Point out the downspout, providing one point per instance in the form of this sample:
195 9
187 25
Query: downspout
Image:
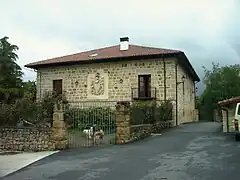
195 94
176 92
164 80
227 119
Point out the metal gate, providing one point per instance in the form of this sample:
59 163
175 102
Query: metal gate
91 123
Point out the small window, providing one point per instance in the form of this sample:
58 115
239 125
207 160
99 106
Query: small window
57 86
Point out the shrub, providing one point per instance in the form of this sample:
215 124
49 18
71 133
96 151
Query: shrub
145 112
164 111
10 114
103 117
29 110
142 112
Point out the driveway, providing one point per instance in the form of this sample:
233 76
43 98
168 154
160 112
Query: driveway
196 151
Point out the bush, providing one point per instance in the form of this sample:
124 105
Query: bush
29 110
164 111
142 112
145 112
10 114
103 117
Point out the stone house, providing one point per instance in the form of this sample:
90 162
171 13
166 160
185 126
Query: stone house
228 107
122 73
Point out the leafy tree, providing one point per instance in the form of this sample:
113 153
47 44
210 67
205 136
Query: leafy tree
222 82
10 71
30 90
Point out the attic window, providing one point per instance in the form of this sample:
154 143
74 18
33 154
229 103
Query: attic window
93 55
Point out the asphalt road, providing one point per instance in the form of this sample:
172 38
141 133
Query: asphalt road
191 152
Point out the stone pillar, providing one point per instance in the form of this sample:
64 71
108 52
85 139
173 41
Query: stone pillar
122 122
59 129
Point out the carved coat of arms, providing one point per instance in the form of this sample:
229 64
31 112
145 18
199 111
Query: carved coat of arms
97 85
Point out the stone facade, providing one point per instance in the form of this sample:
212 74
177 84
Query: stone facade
186 97
25 139
113 82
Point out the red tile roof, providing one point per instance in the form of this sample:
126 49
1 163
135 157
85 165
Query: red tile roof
114 52
105 53
230 101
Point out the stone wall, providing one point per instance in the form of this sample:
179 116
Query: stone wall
36 139
144 130
25 139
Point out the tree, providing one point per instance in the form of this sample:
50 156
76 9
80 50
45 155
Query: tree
10 71
222 82
30 90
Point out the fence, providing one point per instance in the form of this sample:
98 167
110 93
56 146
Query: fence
81 116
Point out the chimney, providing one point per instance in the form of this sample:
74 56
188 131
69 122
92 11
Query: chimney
124 43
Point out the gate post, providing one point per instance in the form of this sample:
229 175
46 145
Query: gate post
122 122
59 129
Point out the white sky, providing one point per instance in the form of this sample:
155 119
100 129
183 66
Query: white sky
206 30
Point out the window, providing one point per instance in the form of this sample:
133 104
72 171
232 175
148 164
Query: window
57 86
144 86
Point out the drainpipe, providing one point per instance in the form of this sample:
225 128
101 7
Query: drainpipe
176 92
195 94
39 86
227 118
164 80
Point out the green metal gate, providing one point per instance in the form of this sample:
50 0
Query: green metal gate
91 123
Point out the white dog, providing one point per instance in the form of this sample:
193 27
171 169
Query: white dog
88 132
96 135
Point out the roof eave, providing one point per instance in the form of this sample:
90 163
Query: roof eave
189 66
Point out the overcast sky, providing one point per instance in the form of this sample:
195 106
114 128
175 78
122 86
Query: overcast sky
206 30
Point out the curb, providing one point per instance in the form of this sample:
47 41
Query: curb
27 165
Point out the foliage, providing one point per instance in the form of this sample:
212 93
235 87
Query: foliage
30 90
31 111
49 100
164 111
142 112
10 114
10 72
103 117
145 112
222 82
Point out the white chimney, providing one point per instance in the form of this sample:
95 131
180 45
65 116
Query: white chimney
124 43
